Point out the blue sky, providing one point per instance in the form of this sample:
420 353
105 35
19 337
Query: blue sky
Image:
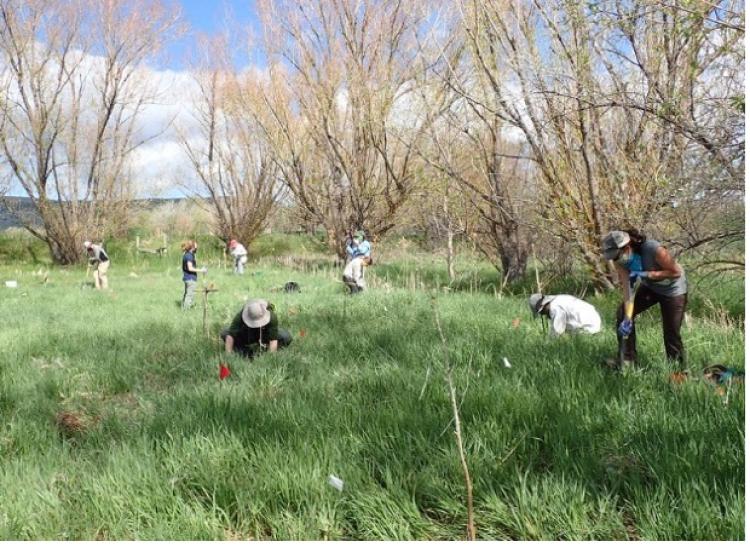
209 16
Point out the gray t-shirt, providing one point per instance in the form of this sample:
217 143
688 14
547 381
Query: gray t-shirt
665 287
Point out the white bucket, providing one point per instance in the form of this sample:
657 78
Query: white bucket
11 284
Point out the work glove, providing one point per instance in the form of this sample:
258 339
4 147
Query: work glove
637 274
204 270
625 328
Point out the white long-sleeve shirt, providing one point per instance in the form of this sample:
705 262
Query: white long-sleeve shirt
568 313
239 250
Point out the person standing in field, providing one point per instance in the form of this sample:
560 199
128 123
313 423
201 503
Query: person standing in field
239 253
255 328
663 282
99 259
354 273
566 313
190 272
358 246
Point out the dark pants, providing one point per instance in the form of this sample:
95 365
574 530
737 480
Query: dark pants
353 287
285 338
672 312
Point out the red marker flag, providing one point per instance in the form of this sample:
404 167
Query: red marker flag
223 371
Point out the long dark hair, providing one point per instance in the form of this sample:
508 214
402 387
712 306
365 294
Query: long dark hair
636 239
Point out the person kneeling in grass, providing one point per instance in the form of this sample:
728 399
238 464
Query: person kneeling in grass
566 313
254 329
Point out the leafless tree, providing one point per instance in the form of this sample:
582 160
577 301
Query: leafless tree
72 92
612 100
472 146
344 73
227 150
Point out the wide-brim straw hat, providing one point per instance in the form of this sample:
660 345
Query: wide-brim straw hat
256 314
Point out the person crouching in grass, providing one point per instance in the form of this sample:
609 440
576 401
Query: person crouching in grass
566 313
255 329
354 274
190 272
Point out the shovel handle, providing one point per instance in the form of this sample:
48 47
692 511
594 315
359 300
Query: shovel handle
629 309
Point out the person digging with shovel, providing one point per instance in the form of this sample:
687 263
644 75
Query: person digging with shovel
648 275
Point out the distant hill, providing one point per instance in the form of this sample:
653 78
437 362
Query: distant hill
13 206
19 205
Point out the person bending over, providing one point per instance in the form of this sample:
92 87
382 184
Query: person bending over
663 282
255 328
99 259
566 313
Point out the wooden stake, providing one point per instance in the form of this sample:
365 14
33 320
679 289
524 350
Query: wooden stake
205 291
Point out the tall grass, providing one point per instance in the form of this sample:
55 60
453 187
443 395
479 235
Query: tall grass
557 447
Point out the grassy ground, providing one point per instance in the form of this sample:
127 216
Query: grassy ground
116 426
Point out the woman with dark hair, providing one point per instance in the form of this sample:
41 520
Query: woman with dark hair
663 282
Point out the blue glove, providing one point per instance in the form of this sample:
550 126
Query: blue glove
625 328
636 275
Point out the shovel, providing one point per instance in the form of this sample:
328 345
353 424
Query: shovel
629 305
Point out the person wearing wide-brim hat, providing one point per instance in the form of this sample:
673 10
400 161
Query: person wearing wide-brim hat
566 313
662 281
255 328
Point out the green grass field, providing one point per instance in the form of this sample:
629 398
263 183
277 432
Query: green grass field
155 446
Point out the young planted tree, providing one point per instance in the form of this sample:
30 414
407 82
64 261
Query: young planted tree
340 111
71 95
232 161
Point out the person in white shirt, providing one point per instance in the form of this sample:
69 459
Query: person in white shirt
99 259
354 273
566 313
238 251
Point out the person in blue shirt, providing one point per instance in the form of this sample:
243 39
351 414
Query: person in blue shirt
190 272
358 246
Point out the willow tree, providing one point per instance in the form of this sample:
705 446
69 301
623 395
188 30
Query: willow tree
230 159
340 111
73 92
613 102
